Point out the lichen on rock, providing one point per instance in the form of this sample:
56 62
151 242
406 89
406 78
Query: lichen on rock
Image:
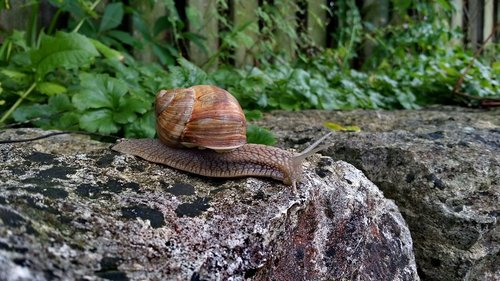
98 214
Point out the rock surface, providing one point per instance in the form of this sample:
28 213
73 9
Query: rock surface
442 168
83 212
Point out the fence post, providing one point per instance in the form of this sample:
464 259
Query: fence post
244 14
474 23
457 19
202 18
316 22
17 17
286 39
149 15
489 10
377 14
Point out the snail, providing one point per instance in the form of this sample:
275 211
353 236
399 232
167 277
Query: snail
202 130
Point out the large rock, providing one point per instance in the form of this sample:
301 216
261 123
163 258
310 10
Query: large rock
440 165
70 208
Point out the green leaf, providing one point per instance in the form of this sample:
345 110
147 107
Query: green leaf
288 102
98 121
54 114
135 104
60 103
496 66
256 134
13 74
123 37
253 114
406 99
141 26
161 24
50 88
64 50
29 112
99 91
68 121
107 51
195 75
142 127
112 17
129 107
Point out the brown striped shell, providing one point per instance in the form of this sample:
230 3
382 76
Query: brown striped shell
201 116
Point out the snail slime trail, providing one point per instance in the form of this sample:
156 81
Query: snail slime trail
202 130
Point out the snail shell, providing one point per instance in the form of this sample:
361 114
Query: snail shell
201 116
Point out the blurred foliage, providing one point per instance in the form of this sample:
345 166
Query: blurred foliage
82 76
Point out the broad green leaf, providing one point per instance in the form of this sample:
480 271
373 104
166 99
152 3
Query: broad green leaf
99 91
163 54
128 109
288 102
112 17
406 99
68 121
100 120
50 88
29 112
64 50
197 39
50 115
256 134
496 66
124 38
60 103
161 24
253 114
135 104
124 116
142 127
77 9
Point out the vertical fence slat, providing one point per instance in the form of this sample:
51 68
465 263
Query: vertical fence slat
244 14
489 10
474 30
149 15
17 17
316 22
376 12
496 39
457 19
206 25
284 40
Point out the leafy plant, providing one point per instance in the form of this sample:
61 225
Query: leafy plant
85 77
62 51
105 102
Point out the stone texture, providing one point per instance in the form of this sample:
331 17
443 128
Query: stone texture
440 165
83 212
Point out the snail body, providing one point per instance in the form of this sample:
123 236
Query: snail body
177 143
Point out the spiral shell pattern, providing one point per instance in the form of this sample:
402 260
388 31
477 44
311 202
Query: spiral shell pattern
201 116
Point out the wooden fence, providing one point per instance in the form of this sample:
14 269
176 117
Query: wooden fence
476 18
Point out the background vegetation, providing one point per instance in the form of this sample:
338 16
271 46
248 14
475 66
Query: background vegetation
96 65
